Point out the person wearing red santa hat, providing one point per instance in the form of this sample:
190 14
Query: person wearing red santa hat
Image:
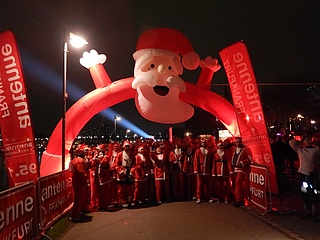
241 157
141 171
177 176
191 181
151 192
161 173
123 164
90 164
103 179
80 183
221 170
112 153
203 169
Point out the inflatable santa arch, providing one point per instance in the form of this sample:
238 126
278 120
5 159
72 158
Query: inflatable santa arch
160 94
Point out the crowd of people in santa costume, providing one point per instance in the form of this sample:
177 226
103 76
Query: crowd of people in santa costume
114 175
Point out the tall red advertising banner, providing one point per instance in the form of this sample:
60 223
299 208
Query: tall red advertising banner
15 118
247 103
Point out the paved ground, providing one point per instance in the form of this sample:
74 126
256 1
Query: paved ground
188 220
286 213
180 220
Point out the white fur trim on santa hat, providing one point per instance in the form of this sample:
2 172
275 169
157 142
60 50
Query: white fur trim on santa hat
190 60
139 149
154 52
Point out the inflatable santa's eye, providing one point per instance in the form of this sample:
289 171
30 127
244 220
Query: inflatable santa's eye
152 66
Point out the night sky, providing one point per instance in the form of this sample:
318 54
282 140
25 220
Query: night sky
282 38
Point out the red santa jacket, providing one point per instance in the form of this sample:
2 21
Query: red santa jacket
221 164
160 165
176 161
113 155
188 164
142 167
202 162
104 170
79 173
123 164
241 160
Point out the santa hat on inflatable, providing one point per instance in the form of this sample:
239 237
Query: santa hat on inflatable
167 42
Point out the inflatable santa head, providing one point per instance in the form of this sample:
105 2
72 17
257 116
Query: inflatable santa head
161 55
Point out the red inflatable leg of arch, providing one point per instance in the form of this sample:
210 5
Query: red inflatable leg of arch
97 100
76 118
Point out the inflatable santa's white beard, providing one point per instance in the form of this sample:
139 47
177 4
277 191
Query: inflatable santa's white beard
162 104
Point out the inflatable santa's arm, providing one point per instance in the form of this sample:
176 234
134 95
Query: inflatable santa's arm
93 61
209 67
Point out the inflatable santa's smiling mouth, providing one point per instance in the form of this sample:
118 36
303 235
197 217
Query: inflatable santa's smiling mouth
161 90
165 107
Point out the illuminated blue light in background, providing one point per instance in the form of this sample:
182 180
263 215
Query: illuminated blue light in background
50 79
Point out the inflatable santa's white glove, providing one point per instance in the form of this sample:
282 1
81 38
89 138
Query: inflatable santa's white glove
211 63
91 59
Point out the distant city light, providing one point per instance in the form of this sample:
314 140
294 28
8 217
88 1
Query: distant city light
187 134
299 117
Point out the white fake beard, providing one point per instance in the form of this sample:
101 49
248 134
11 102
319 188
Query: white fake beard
160 156
142 157
177 151
126 160
238 149
220 152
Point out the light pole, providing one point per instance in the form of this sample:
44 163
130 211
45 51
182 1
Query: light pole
76 42
115 125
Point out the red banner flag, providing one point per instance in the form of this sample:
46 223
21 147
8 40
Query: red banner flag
56 197
259 187
246 99
18 211
15 121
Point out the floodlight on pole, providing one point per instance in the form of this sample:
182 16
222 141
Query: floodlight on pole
116 118
77 42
